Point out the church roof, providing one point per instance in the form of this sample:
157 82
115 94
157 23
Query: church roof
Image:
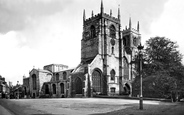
41 70
80 68
57 65
65 70
45 71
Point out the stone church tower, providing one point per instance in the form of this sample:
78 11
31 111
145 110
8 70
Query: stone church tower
106 54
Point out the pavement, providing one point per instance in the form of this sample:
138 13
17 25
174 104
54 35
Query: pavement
4 111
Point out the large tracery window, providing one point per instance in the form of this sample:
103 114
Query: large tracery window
97 81
93 32
78 85
112 31
112 74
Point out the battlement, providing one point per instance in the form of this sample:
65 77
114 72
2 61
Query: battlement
133 30
103 15
92 18
130 29
111 17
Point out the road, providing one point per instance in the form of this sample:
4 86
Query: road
4 111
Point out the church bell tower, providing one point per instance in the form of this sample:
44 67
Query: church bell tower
101 34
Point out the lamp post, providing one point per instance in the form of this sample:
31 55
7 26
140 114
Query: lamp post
18 90
140 47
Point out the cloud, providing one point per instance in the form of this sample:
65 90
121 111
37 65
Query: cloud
145 11
170 23
14 13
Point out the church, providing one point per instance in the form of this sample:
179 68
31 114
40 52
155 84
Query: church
105 67
106 55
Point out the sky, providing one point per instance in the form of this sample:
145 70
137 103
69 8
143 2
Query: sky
34 33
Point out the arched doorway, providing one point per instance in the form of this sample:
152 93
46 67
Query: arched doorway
46 89
54 88
34 81
127 89
62 88
78 85
98 82
34 95
25 91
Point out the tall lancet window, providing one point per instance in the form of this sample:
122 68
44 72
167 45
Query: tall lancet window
34 81
126 68
112 31
112 74
93 32
112 50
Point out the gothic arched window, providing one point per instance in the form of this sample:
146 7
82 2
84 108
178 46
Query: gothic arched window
62 88
124 41
112 31
54 88
64 75
34 81
112 74
126 68
57 76
93 32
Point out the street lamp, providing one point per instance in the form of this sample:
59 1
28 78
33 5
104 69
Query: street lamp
140 47
18 90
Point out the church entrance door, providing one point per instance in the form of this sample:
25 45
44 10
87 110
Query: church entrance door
62 88
127 89
46 89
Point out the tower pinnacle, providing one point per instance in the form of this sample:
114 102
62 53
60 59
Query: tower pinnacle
92 14
110 12
119 12
138 26
102 8
130 23
84 16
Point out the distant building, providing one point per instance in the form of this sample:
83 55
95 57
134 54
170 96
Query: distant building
47 82
17 92
4 88
59 84
26 87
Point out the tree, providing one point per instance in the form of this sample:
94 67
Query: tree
163 71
